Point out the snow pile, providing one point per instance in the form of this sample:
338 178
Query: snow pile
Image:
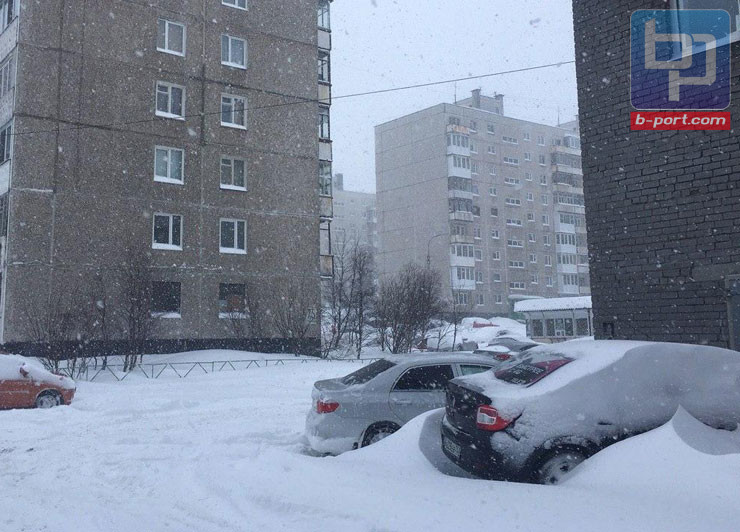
553 303
478 330
11 365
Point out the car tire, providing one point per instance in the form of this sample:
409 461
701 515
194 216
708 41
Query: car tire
556 465
377 432
48 400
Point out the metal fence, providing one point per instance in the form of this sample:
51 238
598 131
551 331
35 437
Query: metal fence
155 370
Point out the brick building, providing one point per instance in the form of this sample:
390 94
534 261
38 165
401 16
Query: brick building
662 207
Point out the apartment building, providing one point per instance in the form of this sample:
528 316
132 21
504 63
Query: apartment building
494 202
355 217
183 136
662 206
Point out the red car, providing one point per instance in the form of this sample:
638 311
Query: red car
25 383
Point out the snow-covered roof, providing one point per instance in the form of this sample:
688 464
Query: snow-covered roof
555 303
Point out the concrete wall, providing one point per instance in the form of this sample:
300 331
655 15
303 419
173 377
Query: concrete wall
81 196
662 207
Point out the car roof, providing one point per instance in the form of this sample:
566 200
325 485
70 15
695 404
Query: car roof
439 358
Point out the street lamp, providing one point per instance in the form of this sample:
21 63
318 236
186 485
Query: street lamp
429 243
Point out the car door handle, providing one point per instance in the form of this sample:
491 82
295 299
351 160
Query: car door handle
402 401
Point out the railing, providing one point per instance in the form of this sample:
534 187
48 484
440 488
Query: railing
184 369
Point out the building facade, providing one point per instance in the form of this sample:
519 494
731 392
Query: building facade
355 218
182 137
663 207
493 202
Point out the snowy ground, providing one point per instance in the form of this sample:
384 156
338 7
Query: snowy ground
224 452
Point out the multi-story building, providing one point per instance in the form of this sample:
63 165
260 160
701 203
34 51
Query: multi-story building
494 202
662 206
355 219
180 135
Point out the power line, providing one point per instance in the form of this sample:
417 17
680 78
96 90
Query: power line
301 99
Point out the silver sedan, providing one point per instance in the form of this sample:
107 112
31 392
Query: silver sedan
376 400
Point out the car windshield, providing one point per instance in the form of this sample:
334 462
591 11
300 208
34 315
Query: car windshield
367 373
532 369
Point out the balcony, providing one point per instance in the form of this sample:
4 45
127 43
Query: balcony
565 169
460 194
326 266
326 207
567 150
461 239
461 216
462 130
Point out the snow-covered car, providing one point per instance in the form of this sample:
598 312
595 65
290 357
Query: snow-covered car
25 383
537 420
376 400
513 344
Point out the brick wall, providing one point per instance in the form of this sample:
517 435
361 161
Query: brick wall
662 208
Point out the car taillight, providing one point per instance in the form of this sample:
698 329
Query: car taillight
326 407
489 419
502 357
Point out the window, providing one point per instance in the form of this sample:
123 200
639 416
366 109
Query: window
731 6
169 165
513 161
494 211
479 277
542 160
473 167
233 237
540 140
7 13
480 300
527 137
533 258
461 298
527 156
496 277
491 129
566 239
569 279
498 299
466 369
530 196
512 181
545 199
476 232
233 51
549 280
509 140
546 239
465 273
514 243
492 192
496 255
7 76
528 176
461 162
455 139
6 140
495 234
473 126
492 150
233 173
368 373
531 237
462 250
454 121
514 221
165 299
324 67
233 111
324 19
474 189
534 279
167 232
543 180
425 379
517 285
170 37
232 301
473 148
567 258
325 179
478 254
240 4
548 260
545 219
516 264
514 202
324 123
530 215
170 100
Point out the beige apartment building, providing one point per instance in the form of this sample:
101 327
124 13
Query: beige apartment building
493 202
181 132
355 219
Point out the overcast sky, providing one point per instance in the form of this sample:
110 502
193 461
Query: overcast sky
390 43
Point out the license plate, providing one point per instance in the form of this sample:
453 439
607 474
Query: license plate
451 447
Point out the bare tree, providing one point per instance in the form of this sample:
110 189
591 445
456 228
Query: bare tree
458 311
245 316
361 293
340 294
405 305
137 297
295 309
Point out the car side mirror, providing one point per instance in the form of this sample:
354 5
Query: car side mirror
23 372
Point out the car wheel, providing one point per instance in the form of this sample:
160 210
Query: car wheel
558 465
48 400
378 432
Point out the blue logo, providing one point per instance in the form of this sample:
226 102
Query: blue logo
681 59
